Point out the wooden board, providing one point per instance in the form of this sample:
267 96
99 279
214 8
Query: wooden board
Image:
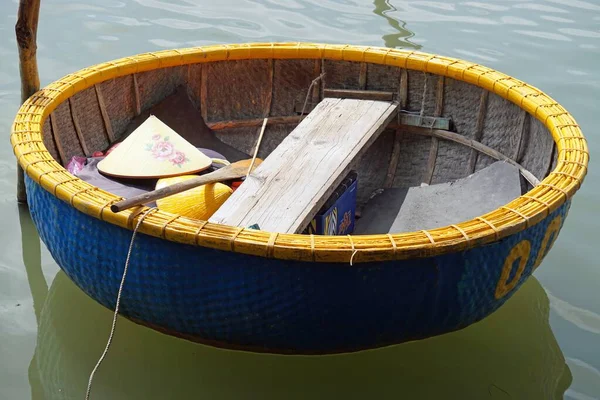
294 181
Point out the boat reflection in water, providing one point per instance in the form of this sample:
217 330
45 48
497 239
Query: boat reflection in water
510 354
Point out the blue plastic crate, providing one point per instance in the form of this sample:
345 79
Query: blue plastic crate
337 218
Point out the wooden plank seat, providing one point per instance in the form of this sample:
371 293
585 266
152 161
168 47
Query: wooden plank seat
294 181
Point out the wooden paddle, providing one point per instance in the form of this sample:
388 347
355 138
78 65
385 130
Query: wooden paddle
236 170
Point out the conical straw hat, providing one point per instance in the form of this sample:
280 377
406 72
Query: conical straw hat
153 150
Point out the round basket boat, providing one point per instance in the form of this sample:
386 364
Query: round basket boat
297 293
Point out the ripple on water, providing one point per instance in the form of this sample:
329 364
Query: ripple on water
5 95
179 23
545 35
364 17
165 43
108 38
510 20
414 15
473 55
247 22
584 319
289 4
577 4
240 28
435 5
71 7
491 52
96 25
128 21
580 32
346 20
485 6
587 380
332 5
539 7
96 46
244 24
556 19
576 72
289 24
113 4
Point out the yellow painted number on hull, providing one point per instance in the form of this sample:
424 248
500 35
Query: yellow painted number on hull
553 228
520 251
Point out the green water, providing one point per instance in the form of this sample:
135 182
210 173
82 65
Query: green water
543 344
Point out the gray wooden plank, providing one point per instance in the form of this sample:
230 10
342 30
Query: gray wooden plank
260 180
295 180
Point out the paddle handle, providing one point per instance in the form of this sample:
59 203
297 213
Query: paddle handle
232 171
163 192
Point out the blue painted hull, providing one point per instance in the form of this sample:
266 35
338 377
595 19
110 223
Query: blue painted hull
253 303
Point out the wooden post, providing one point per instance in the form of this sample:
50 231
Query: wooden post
26 30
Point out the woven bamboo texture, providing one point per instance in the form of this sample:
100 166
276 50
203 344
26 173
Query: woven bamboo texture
526 211
233 300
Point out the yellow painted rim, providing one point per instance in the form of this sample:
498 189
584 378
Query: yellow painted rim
527 210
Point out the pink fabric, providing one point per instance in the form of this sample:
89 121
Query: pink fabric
76 164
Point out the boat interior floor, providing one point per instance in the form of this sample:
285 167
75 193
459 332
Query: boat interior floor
397 210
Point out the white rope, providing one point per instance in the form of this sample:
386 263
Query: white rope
424 94
114 323
354 251
312 84
260 136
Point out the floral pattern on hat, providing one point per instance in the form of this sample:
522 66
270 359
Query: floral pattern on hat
163 150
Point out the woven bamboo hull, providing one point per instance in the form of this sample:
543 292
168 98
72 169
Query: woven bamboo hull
245 302
262 291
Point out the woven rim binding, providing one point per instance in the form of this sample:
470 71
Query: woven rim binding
559 186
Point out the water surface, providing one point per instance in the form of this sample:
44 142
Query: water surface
544 343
